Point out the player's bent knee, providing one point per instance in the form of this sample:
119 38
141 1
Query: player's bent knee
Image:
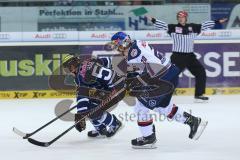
167 111
142 112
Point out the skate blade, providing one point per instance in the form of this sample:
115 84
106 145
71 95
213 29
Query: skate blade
200 101
98 137
200 130
147 146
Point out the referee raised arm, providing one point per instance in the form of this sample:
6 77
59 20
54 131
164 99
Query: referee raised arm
183 35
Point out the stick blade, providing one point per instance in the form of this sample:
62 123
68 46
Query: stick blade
38 143
201 129
18 132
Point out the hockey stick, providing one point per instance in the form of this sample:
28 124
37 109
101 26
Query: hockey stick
93 93
81 90
164 88
93 111
27 135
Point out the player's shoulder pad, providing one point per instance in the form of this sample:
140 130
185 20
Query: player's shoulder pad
106 61
134 50
86 68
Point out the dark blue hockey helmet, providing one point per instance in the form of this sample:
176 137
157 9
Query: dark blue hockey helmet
119 36
120 40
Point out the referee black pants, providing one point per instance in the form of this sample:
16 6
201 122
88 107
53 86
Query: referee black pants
189 61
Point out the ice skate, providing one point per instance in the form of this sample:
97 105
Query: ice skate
197 126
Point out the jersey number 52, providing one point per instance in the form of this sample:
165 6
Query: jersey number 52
102 73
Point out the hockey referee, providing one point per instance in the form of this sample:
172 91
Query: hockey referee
183 35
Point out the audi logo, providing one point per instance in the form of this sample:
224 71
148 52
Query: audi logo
4 36
59 35
225 34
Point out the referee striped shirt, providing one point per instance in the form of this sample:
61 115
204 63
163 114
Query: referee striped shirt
183 36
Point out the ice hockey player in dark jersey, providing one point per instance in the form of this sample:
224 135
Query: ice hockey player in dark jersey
152 63
93 73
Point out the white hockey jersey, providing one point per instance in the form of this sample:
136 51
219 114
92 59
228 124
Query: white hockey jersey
145 58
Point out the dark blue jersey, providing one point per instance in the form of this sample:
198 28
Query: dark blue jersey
102 74
94 73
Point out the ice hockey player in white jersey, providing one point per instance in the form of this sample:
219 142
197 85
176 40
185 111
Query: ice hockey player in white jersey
149 61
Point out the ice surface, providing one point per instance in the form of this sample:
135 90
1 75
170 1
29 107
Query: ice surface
220 141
